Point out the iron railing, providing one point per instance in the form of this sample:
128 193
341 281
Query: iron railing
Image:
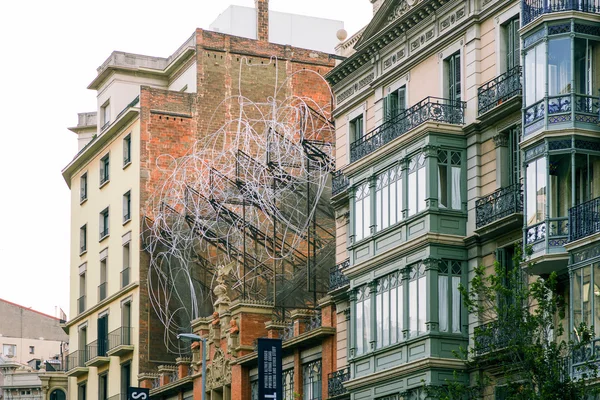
584 219
97 348
125 277
428 109
337 279
339 183
102 291
76 359
502 203
585 357
335 382
532 9
119 337
492 337
313 322
81 304
499 90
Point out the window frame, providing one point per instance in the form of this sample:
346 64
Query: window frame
83 187
104 224
512 42
389 185
446 159
418 276
126 150
447 270
385 296
417 168
453 77
9 346
126 207
83 239
394 103
312 387
354 124
105 169
362 333
362 201
105 114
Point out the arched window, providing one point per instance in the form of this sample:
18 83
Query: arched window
58 394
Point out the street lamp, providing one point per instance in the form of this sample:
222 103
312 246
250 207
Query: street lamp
197 338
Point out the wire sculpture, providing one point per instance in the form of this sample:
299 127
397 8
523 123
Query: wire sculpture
253 195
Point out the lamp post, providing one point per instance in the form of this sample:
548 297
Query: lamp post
194 337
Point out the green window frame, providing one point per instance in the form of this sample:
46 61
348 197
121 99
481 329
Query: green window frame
362 211
417 184
388 198
363 320
389 309
450 179
453 77
450 300
417 300
394 103
513 43
127 150
585 287
104 169
357 128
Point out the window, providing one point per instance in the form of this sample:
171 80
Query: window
514 171
83 187
127 150
103 276
535 74
105 114
83 239
254 390
417 300
126 322
449 179
587 67
9 350
389 309
453 77
102 387
102 335
81 299
362 211
585 297
81 391
388 197
288 384
504 256
363 320
357 128
104 223
512 41
104 169
311 374
58 394
536 191
126 263
416 184
394 103
31 349
450 301
127 206
125 377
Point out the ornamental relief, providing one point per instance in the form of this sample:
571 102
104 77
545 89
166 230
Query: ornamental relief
218 373
400 9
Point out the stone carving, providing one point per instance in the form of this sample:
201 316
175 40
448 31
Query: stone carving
233 327
221 289
400 9
218 373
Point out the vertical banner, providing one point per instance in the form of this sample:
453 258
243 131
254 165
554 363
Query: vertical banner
136 393
269 369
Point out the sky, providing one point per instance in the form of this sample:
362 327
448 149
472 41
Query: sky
49 52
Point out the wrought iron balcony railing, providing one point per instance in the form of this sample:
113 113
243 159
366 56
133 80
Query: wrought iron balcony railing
81 304
586 357
502 203
499 90
313 322
339 183
533 9
492 337
336 380
97 348
119 337
337 279
584 219
124 277
76 359
428 109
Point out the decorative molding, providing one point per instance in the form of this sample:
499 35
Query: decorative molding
501 140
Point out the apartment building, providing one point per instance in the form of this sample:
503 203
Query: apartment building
463 128
149 107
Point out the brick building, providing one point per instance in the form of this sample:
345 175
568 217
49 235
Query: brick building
149 107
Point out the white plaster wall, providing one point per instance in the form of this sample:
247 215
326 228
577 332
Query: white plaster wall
187 77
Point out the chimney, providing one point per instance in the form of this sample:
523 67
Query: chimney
376 5
262 20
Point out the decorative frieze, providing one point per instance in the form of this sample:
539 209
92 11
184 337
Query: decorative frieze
501 140
452 19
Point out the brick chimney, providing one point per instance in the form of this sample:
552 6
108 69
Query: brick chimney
262 20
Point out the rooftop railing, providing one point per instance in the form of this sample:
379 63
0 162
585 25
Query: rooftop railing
499 90
429 109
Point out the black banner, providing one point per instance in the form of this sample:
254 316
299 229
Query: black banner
135 393
269 369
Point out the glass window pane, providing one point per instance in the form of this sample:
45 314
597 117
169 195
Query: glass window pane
559 66
422 183
367 216
456 305
386 318
367 324
586 295
576 306
530 77
443 185
393 203
422 304
380 318
560 185
400 200
443 302
400 311
540 73
358 221
412 305
456 196
378 211
359 328
394 316
412 193
385 207
531 194
541 189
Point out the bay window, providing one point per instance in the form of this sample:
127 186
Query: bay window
389 309
587 66
449 179
559 66
417 300
416 184
388 197
586 296
536 191
363 320
535 74
362 210
449 277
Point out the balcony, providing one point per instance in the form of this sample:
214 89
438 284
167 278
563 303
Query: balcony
584 220
339 183
102 291
560 110
585 359
505 90
429 109
493 211
97 356
124 277
335 382
533 9
337 279
81 304
492 337
76 363
119 342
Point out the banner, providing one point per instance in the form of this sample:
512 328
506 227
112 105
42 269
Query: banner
135 393
269 369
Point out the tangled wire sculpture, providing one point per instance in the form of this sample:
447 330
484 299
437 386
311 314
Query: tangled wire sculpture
253 195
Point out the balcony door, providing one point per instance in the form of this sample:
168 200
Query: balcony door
102 335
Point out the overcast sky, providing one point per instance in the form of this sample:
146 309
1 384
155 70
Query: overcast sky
49 52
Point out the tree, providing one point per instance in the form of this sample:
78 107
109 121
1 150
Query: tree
524 343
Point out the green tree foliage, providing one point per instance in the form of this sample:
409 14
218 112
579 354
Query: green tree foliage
524 346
